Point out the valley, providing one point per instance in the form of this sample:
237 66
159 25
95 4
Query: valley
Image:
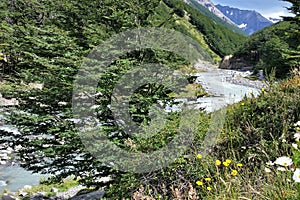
148 99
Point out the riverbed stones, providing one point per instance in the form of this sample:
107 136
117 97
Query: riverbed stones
8 197
5 154
91 196
70 193
39 196
8 102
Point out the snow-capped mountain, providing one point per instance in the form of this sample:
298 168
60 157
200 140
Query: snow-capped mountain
248 20
212 8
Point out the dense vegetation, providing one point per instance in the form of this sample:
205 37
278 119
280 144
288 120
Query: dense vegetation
43 43
244 162
275 47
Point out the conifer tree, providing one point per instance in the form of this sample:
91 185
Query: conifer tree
294 9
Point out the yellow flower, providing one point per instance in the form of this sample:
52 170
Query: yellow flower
208 188
234 172
226 164
218 162
207 179
200 183
228 161
239 165
199 156
262 89
242 103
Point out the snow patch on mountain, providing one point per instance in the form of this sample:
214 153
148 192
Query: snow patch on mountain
242 25
248 20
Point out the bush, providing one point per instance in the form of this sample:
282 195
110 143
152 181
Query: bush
256 132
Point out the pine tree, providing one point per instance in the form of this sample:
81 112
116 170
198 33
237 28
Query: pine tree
294 9
44 43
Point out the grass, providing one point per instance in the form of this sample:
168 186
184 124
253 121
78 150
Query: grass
257 131
241 164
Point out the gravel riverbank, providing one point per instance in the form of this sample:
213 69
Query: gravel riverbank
231 76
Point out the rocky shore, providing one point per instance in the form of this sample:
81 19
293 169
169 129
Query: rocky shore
238 77
241 78
74 193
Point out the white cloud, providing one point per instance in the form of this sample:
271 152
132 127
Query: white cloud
276 14
268 8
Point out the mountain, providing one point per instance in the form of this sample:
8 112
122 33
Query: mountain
220 36
272 49
248 20
212 8
208 9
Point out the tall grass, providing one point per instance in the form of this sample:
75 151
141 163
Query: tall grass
257 132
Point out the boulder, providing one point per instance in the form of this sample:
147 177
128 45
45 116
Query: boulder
7 197
39 196
225 63
237 62
90 196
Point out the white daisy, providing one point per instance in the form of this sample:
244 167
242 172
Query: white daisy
297 136
296 176
283 161
295 146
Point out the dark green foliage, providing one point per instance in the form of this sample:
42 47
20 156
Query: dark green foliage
276 47
294 9
159 182
220 39
44 43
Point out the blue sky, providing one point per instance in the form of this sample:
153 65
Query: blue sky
268 8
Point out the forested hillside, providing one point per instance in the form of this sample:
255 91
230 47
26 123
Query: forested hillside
42 45
220 39
218 20
275 48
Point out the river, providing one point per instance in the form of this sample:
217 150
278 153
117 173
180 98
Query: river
12 176
223 85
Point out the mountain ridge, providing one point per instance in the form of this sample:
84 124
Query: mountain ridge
250 21
212 8
202 8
